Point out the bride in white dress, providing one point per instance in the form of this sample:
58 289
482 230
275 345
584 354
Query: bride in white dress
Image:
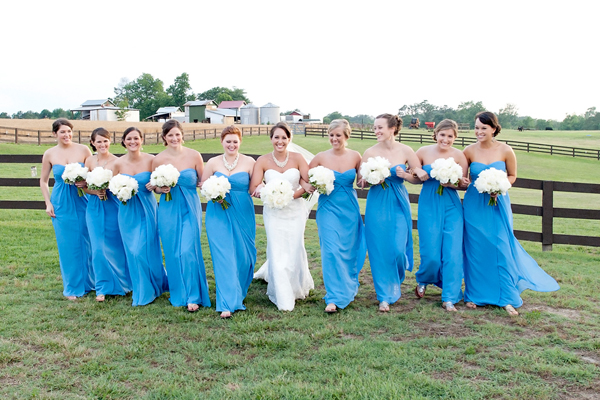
286 269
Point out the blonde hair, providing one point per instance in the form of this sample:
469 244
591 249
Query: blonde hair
340 123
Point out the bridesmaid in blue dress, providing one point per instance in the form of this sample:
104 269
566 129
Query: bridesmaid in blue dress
102 217
388 222
231 232
138 224
440 221
497 268
67 211
180 222
341 228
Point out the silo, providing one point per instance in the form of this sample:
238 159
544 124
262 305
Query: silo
269 114
250 114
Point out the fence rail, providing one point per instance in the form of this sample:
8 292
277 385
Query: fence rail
464 141
546 211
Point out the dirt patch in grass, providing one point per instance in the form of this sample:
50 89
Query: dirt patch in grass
563 312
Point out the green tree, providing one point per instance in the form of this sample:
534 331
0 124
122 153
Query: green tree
59 113
121 113
334 115
467 110
45 113
213 94
223 97
181 91
509 116
4 115
145 93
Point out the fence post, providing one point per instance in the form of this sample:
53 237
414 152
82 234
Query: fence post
79 136
114 137
39 138
547 215
16 135
194 133
156 137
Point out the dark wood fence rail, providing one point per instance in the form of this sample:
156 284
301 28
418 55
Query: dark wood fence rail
464 141
547 211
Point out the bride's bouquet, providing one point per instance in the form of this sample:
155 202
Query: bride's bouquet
98 179
216 188
446 170
492 181
322 179
375 170
277 193
75 173
123 187
165 175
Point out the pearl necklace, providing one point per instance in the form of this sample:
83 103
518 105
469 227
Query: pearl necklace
231 167
98 162
284 163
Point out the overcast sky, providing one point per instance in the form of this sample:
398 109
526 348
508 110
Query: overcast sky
355 57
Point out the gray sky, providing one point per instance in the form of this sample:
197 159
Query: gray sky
321 56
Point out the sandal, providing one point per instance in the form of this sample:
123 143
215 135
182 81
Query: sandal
384 306
191 307
331 308
449 306
471 305
420 290
511 310
71 298
226 315
100 298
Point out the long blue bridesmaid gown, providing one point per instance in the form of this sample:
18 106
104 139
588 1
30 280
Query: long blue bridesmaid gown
231 234
179 228
440 226
497 268
138 226
74 251
108 255
342 240
388 231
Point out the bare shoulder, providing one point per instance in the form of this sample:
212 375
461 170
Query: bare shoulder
355 155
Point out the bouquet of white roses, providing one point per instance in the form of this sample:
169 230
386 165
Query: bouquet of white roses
215 189
75 173
446 170
492 181
277 194
375 170
98 179
124 187
322 179
165 175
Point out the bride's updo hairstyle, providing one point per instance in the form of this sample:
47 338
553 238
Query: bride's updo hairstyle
340 123
281 125
489 118
98 132
167 126
394 121
127 132
446 124
232 130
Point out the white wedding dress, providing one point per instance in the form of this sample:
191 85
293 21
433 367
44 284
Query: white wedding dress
286 269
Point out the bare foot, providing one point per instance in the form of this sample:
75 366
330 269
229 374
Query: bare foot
331 308
226 314
511 311
471 305
384 306
449 306
72 298
193 307
100 298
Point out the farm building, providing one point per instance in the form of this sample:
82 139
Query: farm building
104 110
222 116
195 111
165 113
269 114
294 116
250 114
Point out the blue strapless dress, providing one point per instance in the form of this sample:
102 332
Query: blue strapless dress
108 255
231 236
388 231
342 240
179 227
440 226
74 251
497 268
138 227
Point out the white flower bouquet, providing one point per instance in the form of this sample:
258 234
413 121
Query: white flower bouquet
124 187
375 170
446 170
277 194
98 179
165 175
322 179
74 172
216 188
494 182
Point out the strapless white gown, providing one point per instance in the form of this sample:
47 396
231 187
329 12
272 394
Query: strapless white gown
286 269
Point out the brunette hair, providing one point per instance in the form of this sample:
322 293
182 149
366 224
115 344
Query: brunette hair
127 132
98 132
60 122
446 124
281 125
489 118
167 126
231 130
394 121
340 123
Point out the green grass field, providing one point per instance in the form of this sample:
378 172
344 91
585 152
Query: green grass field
51 348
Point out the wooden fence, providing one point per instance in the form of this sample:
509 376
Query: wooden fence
547 211
464 141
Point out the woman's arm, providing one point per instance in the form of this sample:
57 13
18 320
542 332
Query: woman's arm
258 174
511 164
303 168
44 177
